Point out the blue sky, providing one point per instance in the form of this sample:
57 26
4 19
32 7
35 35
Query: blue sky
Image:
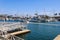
23 7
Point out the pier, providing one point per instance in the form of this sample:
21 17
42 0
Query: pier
10 29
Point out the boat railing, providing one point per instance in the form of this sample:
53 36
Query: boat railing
11 38
4 36
4 27
15 38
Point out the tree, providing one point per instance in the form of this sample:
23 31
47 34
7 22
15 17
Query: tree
59 13
55 14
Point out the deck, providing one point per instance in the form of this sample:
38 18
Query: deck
9 26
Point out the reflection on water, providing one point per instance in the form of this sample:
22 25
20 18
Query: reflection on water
42 32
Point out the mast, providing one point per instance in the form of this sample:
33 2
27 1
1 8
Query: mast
44 12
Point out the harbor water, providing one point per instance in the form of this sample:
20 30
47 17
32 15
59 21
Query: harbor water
43 31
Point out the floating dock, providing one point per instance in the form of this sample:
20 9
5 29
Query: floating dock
57 38
20 32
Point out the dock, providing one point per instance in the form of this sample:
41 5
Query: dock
20 32
57 38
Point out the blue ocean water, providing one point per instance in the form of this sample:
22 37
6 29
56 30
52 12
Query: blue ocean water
42 32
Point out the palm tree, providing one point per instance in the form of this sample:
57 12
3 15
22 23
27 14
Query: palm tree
55 14
59 13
